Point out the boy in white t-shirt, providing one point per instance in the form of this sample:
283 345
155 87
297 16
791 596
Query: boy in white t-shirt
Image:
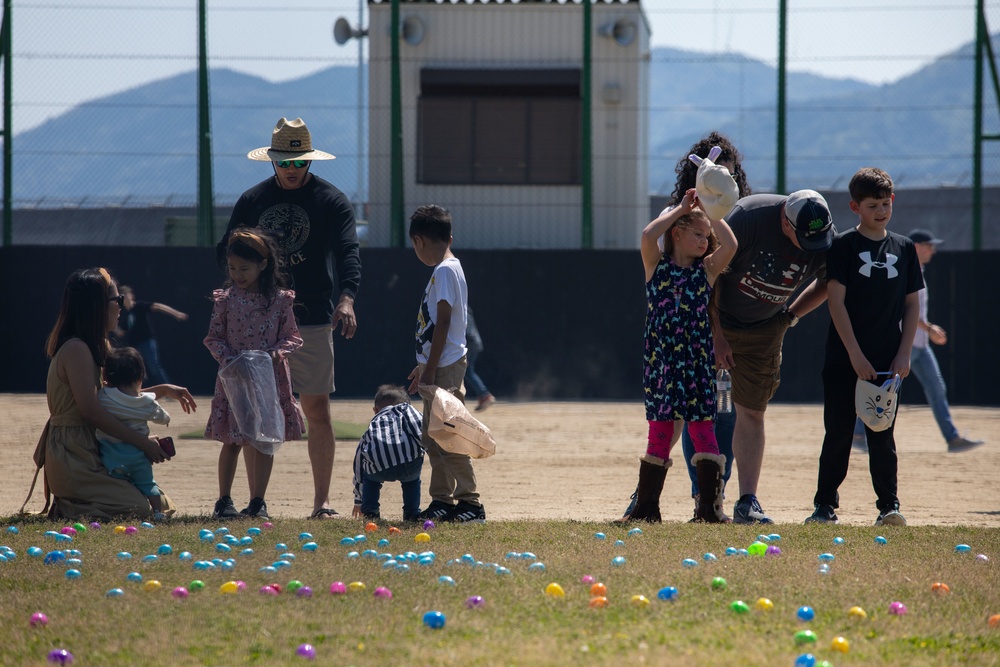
441 361
124 372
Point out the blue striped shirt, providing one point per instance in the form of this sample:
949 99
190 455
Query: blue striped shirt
392 438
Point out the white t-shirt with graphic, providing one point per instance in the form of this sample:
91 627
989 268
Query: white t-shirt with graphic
448 284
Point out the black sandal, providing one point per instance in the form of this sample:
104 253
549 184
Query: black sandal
324 513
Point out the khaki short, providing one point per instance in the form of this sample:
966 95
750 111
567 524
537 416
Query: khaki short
757 355
312 364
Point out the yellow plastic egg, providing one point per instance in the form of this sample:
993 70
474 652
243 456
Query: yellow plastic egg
554 590
857 612
840 644
152 585
229 587
640 601
119 530
763 604
356 586
422 537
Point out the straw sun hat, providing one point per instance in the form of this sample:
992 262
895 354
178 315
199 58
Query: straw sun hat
289 141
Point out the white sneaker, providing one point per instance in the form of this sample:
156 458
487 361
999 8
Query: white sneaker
890 518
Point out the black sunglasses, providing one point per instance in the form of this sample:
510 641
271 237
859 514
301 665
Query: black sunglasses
120 300
299 164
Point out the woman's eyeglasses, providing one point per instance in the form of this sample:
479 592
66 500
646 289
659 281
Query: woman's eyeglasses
120 300
299 164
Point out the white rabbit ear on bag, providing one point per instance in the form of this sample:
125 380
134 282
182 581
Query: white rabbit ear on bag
717 191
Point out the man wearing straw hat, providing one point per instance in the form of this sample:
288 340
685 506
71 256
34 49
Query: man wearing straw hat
314 225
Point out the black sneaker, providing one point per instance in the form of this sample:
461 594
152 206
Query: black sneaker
257 509
823 514
748 510
224 509
963 444
466 512
890 517
436 511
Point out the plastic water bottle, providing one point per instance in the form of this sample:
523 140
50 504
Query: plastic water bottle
723 391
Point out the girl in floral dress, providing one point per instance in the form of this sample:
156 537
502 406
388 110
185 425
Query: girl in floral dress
251 313
679 366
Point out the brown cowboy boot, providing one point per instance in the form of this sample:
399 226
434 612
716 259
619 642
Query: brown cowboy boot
708 468
652 473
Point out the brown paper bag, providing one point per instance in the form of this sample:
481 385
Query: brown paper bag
454 428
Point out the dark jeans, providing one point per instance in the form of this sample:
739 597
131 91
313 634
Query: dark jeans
151 358
725 424
408 474
474 385
839 417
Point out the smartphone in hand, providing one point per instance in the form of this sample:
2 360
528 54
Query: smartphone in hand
167 445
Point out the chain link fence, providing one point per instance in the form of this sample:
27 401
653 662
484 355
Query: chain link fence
105 109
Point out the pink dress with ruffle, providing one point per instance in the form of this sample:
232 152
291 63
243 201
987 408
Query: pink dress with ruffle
243 320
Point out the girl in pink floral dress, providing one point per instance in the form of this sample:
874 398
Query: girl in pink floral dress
252 313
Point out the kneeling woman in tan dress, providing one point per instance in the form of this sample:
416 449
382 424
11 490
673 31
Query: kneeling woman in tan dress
78 345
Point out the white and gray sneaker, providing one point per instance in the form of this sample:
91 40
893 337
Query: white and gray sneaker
748 510
890 517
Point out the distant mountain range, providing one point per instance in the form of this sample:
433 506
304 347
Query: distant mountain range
139 146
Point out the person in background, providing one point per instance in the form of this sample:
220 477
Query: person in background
476 386
137 331
924 364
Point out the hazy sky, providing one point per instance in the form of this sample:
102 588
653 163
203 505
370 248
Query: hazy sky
67 51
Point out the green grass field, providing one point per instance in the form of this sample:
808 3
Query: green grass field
518 623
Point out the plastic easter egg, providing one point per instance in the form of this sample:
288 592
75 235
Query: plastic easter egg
587 579
731 551
881 540
115 593
35 552
131 530
356 586
897 608
600 536
306 651
73 574
598 589
247 552
805 660
268 590
68 530
123 555
383 543
527 555
502 571
599 602
774 537
840 644
940 588
204 534
764 604
152 585
640 601
179 593
196 585
619 543
857 612
994 621
536 567
554 590
742 552
635 531
119 530
60 656
982 558
338 588
739 607
53 557
422 537
434 620
293 585
474 602
164 550
151 558
134 577
446 580
94 525
824 568
805 613
618 561
347 541
303 592
229 588
267 525
38 620
718 584
395 531
60 537
838 540
805 637
284 564
826 558
389 563
689 562
962 548
383 593
146 524
763 538
668 593
773 550
310 546
12 530
253 531
709 557
758 548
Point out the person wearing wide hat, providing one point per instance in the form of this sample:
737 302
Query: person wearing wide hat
314 225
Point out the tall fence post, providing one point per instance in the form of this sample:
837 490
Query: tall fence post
782 99
586 153
206 204
396 198
8 134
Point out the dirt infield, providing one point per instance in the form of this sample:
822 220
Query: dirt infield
577 461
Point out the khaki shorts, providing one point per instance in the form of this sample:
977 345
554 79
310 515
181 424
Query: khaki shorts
757 355
312 364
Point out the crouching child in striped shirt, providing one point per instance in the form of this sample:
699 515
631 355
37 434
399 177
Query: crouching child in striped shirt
389 451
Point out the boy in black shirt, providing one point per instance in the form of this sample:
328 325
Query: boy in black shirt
873 279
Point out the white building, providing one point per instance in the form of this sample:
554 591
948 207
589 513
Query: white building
492 109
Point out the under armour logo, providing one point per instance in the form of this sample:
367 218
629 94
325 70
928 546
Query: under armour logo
888 265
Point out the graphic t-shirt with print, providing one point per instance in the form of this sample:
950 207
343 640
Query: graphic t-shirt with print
447 283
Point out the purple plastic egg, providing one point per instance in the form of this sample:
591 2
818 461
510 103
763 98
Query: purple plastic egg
428 525
304 592
773 550
474 602
61 656
131 530
306 651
